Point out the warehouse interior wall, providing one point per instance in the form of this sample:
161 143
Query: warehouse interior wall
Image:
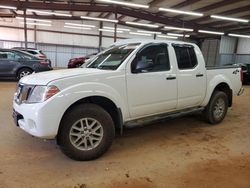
60 43
227 50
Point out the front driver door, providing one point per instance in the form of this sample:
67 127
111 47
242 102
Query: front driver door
151 82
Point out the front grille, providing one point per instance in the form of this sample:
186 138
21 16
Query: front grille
22 93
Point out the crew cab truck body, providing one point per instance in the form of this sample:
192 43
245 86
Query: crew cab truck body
133 79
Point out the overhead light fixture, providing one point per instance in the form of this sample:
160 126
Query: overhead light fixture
125 3
8 7
142 24
74 27
238 35
32 23
111 31
211 32
229 18
33 19
178 28
166 36
49 13
181 12
175 34
150 32
143 34
98 19
79 25
118 28
187 36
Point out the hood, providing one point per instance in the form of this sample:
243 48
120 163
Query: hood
44 78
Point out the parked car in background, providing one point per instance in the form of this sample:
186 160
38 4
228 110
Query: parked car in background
79 61
38 53
16 63
246 73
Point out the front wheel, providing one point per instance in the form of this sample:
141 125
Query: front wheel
23 72
216 109
86 132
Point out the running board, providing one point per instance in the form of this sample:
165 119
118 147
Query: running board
172 115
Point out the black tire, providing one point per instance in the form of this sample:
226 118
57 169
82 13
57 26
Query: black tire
23 72
216 109
69 124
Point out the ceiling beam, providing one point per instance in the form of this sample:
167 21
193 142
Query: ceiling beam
215 22
154 2
121 17
185 3
57 6
108 15
212 6
179 5
132 12
225 13
217 5
101 14
52 17
126 11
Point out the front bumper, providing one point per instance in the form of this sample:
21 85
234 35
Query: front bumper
37 119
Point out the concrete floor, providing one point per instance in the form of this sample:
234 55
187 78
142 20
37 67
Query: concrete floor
184 152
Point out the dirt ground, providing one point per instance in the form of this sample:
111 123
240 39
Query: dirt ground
184 152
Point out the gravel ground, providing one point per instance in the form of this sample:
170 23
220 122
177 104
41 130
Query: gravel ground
183 152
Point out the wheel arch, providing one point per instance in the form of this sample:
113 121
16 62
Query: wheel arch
24 67
224 87
104 102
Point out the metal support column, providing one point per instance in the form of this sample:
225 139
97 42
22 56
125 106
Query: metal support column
100 37
25 30
115 34
35 36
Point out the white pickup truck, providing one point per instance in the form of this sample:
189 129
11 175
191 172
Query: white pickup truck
131 80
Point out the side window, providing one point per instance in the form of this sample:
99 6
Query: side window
186 57
3 55
9 56
151 59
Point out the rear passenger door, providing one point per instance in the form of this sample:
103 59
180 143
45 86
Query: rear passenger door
8 62
151 82
191 76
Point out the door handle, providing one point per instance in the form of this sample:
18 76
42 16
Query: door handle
199 75
171 78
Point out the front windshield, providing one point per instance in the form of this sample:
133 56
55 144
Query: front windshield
113 57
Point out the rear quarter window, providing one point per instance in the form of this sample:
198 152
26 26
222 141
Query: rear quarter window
186 56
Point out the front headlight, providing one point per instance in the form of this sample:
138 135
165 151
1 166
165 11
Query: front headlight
42 93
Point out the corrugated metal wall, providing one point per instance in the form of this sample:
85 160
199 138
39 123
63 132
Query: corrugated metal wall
58 54
228 45
210 50
243 46
233 51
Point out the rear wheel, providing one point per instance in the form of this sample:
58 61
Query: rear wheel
23 72
86 132
216 109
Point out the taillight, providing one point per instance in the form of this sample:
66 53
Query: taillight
42 56
44 62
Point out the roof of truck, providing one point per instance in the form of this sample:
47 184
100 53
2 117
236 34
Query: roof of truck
146 41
